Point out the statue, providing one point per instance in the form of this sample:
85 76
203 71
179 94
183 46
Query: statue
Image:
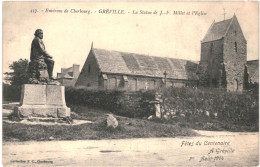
41 63
42 96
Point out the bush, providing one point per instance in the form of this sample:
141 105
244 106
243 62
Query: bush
11 92
121 103
235 107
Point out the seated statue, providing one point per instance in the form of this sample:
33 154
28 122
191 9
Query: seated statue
40 61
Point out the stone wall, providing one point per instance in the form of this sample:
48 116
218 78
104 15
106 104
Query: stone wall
94 80
211 63
235 57
136 83
143 83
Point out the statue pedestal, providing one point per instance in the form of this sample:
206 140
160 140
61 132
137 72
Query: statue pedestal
42 101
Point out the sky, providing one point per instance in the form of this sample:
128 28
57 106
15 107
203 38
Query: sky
68 36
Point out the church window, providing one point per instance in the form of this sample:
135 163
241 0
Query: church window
235 46
236 85
235 33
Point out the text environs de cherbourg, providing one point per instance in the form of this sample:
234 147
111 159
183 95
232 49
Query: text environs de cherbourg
86 11
120 11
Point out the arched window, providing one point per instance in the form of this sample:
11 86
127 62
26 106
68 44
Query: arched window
236 85
236 46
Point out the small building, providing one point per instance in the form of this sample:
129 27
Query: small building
114 70
68 76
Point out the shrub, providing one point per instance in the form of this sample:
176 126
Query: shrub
237 108
134 104
11 92
232 108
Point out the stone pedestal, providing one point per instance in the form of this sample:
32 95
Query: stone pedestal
158 113
157 108
42 101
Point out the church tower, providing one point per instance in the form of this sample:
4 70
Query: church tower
223 56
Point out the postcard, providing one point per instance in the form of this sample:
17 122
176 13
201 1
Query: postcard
147 83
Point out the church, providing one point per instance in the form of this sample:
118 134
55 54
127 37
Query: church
223 56
105 69
223 64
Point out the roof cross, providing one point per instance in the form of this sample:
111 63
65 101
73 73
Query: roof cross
165 74
224 13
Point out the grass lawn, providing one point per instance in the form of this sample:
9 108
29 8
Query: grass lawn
128 128
202 122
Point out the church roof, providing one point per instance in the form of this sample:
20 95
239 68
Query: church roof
217 30
253 70
144 65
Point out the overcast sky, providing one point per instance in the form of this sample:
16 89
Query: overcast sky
68 36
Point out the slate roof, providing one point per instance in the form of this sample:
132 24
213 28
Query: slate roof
217 30
253 70
143 65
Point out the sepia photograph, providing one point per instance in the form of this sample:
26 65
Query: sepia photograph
148 83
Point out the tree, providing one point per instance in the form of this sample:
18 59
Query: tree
16 78
19 75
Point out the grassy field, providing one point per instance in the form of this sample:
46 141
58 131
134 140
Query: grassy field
202 122
128 128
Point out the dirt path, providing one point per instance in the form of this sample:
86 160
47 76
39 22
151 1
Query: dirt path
237 149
